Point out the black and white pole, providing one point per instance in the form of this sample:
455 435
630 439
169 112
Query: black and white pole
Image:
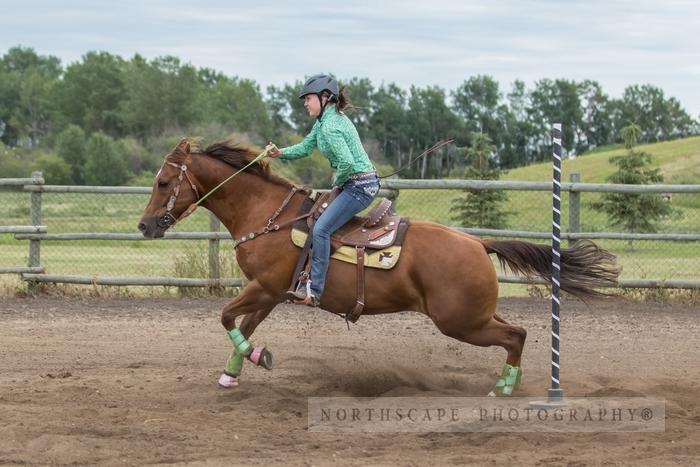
555 393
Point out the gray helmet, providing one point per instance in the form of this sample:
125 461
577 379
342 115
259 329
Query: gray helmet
319 83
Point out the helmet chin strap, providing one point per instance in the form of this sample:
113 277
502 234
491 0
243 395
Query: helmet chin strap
323 106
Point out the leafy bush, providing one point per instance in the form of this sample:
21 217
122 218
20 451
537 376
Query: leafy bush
55 170
105 164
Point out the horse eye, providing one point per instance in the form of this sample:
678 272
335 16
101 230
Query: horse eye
162 183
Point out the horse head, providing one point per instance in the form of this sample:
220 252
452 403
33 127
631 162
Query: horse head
170 197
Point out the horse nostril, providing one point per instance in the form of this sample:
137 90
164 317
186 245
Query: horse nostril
142 227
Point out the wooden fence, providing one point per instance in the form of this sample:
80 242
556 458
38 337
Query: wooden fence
35 232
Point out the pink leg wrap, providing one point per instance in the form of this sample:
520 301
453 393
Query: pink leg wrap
255 355
226 381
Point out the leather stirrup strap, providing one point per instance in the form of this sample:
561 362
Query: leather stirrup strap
303 257
354 315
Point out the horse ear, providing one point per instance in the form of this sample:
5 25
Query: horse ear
184 145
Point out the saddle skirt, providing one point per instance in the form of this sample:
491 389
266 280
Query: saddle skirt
381 233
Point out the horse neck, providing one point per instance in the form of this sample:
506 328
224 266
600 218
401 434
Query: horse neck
244 203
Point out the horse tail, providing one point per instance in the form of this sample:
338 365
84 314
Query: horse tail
584 266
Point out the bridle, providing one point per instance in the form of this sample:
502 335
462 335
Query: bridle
167 219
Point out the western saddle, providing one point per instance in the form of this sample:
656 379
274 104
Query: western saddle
381 228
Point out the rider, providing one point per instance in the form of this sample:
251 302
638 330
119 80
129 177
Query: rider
337 139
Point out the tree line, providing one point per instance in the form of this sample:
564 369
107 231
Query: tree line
109 120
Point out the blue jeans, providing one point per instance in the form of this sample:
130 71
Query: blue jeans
356 196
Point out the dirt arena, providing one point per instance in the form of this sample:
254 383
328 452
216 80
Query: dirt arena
133 381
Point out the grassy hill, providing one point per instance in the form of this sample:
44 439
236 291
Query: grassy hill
679 161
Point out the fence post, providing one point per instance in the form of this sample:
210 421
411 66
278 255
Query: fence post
35 219
574 207
214 269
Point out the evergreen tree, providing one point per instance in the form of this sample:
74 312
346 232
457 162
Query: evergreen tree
480 208
634 212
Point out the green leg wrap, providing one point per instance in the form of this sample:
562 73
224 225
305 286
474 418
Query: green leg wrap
240 343
234 364
508 381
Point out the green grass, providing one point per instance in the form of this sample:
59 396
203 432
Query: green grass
678 160
109 258
531 210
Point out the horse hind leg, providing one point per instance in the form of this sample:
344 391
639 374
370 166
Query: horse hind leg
498 331
500 319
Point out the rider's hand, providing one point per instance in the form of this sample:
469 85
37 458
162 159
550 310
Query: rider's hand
274 152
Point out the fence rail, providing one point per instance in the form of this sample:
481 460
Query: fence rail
22 229
15 182
136 280
572 235
21 270
399 184
38 232
472 231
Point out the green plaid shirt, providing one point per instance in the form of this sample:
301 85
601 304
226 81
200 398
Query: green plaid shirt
337 139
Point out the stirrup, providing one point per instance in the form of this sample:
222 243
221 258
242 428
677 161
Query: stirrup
304 296
300 297
302 289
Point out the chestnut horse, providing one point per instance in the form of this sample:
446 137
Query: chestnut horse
442 273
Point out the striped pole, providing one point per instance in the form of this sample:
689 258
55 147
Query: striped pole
555 393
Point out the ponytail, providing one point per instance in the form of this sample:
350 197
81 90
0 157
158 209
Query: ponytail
342 100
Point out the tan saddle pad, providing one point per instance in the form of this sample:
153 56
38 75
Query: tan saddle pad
385 258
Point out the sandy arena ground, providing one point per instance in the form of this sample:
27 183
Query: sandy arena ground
133 381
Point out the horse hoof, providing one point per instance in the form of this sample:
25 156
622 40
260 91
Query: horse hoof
226 381
260 356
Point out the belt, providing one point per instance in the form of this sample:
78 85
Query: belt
362 175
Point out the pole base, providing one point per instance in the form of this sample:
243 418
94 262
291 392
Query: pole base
555 399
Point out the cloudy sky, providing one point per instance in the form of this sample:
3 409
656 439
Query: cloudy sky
421 42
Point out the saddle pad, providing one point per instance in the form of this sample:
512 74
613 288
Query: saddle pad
382 259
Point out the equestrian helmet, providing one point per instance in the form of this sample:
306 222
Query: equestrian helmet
319 83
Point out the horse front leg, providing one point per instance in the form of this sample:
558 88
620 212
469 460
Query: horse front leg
254 303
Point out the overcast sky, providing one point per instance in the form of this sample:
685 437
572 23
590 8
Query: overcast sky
433 42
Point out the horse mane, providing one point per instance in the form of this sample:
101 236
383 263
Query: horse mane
238 155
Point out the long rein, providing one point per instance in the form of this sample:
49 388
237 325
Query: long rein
168 219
